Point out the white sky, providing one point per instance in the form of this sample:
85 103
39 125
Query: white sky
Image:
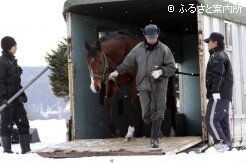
56 133
36 25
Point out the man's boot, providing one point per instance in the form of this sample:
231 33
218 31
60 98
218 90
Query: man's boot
155 129
25 143
6 144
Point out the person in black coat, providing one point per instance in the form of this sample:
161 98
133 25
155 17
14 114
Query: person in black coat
10 84
219 83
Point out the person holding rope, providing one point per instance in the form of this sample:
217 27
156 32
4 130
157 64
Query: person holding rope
10 84
155 64
219 83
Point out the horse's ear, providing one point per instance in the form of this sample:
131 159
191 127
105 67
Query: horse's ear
98 45
87 45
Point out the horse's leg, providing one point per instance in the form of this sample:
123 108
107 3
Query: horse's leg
110 92
132 109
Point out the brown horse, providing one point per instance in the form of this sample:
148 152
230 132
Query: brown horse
102 59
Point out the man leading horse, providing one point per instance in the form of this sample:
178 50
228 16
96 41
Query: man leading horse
155 64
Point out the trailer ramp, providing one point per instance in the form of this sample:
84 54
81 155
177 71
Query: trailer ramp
118 146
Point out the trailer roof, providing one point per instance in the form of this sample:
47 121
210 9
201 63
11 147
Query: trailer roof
126 9
138 12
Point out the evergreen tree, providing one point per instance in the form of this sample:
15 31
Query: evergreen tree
58 64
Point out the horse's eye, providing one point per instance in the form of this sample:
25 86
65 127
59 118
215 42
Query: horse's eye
100 62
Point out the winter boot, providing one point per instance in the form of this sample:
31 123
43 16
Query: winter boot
25 143
6 144
155 129
220 147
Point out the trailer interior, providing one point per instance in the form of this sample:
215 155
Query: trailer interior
179 31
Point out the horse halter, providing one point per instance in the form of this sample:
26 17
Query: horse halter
103 76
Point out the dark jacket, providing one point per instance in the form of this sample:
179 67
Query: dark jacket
219 75
147 61
10 80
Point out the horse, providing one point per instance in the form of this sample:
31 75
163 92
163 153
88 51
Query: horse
103 58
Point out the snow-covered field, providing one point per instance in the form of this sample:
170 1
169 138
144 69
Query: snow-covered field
54 131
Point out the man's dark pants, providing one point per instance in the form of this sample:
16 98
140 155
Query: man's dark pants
217 121
14 113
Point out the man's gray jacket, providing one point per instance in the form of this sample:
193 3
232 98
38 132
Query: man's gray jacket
148 61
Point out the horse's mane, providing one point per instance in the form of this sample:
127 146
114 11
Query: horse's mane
110 35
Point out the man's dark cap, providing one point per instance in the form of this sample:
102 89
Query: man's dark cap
216 36
151 31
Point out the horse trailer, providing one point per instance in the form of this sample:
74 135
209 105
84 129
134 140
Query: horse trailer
184 25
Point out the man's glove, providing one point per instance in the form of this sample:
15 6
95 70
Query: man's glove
23 98
113 75
156 74
216 96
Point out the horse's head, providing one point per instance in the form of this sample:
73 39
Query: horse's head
97 65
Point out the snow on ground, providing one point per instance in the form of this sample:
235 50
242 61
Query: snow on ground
54 132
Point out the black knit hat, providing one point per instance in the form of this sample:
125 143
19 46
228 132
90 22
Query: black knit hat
7 42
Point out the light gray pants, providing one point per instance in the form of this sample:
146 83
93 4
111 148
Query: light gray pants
153 104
